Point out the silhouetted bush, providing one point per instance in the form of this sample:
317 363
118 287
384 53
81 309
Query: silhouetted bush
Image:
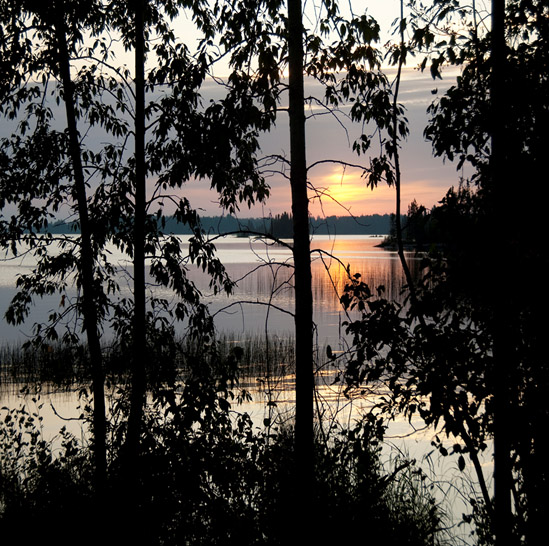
207 475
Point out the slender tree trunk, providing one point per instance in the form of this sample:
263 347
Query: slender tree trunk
396 158
138 386
398 175
504 349
89 302
131 473
304 428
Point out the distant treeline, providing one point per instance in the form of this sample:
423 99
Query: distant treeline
279 225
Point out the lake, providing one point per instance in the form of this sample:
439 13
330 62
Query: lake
264 274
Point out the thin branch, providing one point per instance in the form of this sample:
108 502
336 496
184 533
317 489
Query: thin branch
64 418
244 302
329 111
258 234
338 162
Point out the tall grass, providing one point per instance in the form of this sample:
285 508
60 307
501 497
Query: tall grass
52 363
67 365
213 482
207 477
261 356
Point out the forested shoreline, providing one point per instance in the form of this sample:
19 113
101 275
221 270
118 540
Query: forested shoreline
373 224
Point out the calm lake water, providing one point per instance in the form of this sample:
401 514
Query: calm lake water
264 274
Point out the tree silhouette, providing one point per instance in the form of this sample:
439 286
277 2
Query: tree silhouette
46 170
503 149
462 355
59 25
348 69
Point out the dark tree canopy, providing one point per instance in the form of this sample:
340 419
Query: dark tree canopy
441 354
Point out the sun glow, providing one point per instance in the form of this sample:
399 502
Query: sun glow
342 192
338 192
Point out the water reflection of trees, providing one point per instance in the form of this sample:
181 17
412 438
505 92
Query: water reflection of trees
269 281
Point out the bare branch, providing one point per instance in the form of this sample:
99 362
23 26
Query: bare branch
338 162
262 303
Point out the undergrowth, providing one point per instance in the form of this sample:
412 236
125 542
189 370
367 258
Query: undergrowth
207 475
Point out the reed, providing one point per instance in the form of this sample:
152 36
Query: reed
260 355
63 365
56 363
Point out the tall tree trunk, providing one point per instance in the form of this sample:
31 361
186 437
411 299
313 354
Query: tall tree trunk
504 348
138 386
304 427
396 159
131 494
398 173
89 301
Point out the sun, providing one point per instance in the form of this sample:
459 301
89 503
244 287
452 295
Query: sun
339 191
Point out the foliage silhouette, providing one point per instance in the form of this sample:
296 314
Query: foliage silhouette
462 355
102 95
192 441
210 476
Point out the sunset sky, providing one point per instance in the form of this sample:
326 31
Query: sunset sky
425 178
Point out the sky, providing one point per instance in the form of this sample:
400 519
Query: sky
424 178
